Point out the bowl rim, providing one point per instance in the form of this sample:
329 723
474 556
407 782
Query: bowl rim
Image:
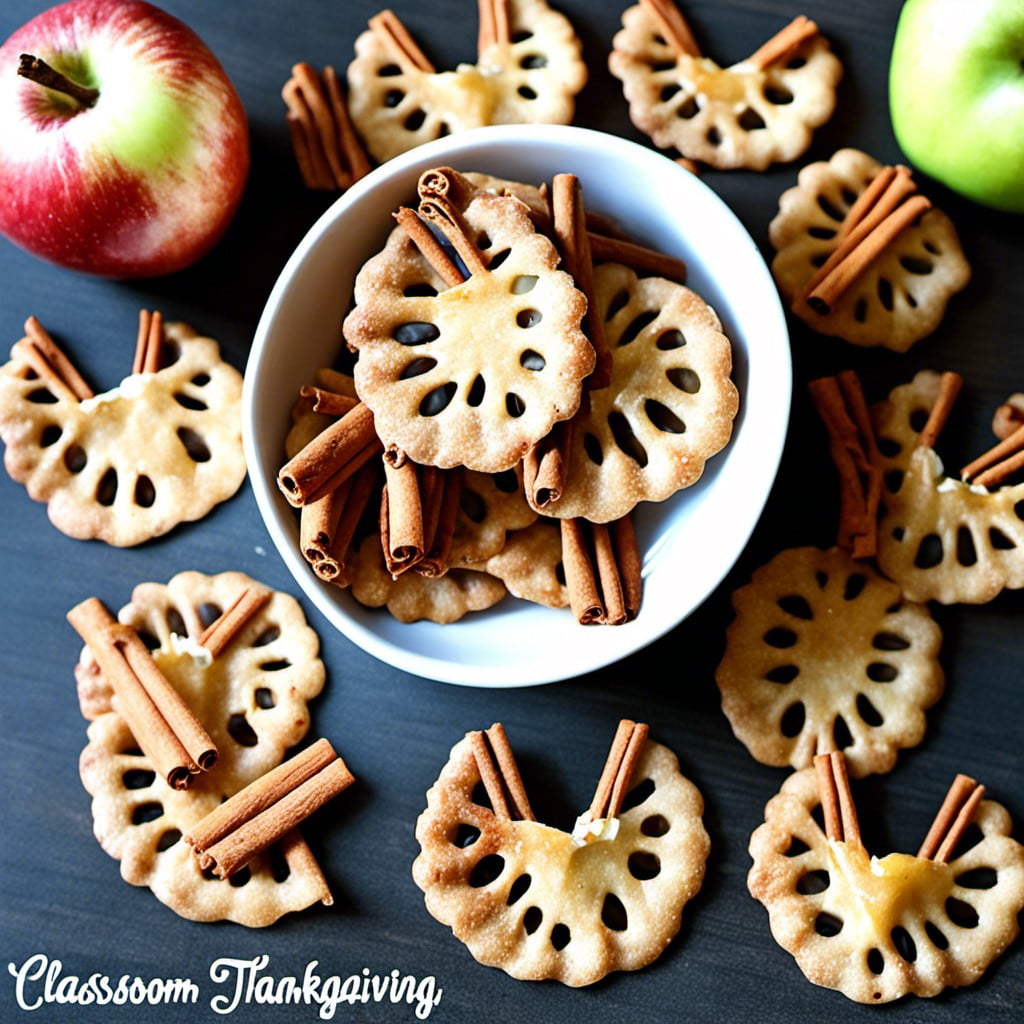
356 625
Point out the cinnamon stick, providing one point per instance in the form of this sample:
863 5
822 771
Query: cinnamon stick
401 516
430 248
163 725
1001 471
327 147
672 26
442 193
500 774
836 799
602 570
884 195
955 814
354 156
949 387
268 809
859 249
569 225
442 505
400 43
330 403
330 458
784 43
546 465
327 525
994 461
494 25
840 404
49 362
149 343
223 630
613 785
605 249
1008 416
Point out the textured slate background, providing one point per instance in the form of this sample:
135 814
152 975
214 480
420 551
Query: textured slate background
61 896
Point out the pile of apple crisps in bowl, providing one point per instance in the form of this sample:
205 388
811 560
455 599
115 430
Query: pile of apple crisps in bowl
681 446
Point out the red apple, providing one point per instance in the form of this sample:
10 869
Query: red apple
132 160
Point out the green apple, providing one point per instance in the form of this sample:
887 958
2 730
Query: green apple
956 95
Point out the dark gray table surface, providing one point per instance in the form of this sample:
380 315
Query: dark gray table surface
62 896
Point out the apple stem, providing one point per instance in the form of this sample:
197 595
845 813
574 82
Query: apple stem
37 70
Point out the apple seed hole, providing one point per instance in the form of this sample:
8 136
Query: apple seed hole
626 440
75 458
50 435
241 731
194 445
145 492
438 399
476 392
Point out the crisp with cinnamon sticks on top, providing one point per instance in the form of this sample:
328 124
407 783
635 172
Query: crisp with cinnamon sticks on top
756 112
863 256
528 70
542 903
945 537
879 928
243 663
91 457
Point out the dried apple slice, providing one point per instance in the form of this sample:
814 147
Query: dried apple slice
898 421
492 507
757 112
877 929
901 296
252 701
945 540
530 565
472 374
823 654
668 409
529 70
412 597
942 538
539 903
130 464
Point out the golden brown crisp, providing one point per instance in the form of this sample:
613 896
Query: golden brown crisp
252 700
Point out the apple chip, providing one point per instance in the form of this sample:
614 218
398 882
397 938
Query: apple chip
130 464
825 654
879 928
251 698
530 565
541 903
529 69
853 224
760 111
442 389
491 507
945 540
412 596
668 409
898 421
942 538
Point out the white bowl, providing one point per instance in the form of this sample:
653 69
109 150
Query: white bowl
689 542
